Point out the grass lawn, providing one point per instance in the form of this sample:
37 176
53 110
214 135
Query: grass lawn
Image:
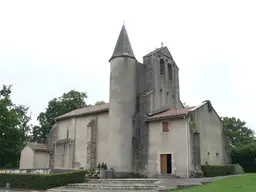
244 183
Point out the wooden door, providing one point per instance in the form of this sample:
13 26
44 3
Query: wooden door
163 163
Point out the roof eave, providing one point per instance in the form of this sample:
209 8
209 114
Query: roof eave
167 117
82 114
42 150
129 56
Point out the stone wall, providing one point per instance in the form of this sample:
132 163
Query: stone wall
210 127
122 109
36 171
195 148
196 156
141 136
173 142
227 148
27 158
50 141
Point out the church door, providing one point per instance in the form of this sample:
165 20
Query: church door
166 163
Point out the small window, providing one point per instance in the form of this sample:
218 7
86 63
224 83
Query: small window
161 67
165 127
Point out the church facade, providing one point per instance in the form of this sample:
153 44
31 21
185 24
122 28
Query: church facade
144 129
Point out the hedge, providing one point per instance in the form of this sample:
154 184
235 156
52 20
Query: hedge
218 170
40 181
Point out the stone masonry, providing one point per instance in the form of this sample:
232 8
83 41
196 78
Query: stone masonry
91 144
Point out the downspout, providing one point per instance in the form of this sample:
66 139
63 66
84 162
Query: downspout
187 145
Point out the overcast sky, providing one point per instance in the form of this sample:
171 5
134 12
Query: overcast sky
50 47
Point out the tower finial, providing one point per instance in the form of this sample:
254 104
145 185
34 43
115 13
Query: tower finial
123 22
162 44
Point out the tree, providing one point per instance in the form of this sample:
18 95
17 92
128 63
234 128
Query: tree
237 132
245 156
14 129
56 107
100 102
36 134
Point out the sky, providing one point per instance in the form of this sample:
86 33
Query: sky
50 47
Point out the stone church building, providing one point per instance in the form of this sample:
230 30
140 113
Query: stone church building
144 129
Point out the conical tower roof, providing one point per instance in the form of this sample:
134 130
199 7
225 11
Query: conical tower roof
123 46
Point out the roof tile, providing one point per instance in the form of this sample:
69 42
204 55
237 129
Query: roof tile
39 147
172 113
85 111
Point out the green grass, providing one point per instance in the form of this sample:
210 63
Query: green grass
244 183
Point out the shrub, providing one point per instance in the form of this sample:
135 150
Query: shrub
102 166
218 170
245 156
41 181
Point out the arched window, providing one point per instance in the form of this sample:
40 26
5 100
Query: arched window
161 67
170 71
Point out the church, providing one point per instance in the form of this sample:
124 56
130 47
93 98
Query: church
144 129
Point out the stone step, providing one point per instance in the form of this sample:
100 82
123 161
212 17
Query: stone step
188 185
105 190
79 185
112 187
206 182
166 176
141 181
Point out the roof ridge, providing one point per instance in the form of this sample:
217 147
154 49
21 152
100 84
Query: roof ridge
85 110
38 146
155 51
90 106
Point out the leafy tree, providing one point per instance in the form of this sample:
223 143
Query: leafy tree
56 107
245 156
237 132
36 133
100 102
14 129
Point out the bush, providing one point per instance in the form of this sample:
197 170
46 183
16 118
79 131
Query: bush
41 181
218 170
245 156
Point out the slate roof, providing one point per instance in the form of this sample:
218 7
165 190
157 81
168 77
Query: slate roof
85 111
38 147
123 46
